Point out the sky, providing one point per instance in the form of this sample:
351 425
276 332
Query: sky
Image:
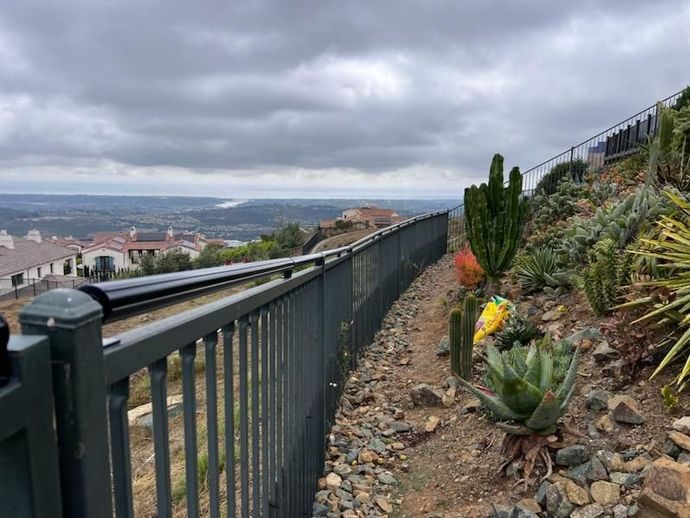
290 98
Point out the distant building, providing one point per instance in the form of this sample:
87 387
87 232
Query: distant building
123 251
23 260
371 216
72 243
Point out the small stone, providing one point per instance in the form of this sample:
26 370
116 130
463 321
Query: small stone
431 423
603 352
530 504
597 470
680 439
424 395
387 478
576 494
333 481
589 511
671 449
451 382
579 473
638 464
682 425
502 511
384 504
398 446
320 509
557 503
471 406
552 314
577 337
443 347
598 399
624 409
605 493
624 479
572 455
400 426
605 424
620 511
684 458
540 495
521 512
612 461
449 397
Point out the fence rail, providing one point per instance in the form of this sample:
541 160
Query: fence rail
275 356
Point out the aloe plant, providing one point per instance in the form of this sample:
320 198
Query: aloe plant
529 386
494 218
539 269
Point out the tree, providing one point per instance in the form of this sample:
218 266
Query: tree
210 256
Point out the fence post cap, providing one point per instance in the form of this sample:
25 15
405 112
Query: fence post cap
66 308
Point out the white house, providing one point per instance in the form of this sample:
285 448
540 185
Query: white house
23 260
123 251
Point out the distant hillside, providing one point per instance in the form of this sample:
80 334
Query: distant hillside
81 215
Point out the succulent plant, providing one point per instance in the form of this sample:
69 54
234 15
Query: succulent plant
530 386
606 272
516 331
539 269
494 218
462 322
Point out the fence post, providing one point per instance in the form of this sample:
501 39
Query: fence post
570 171
72 322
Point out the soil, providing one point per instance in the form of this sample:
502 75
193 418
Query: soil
348 238
454 471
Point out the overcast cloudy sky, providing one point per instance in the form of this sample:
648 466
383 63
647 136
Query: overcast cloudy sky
317 98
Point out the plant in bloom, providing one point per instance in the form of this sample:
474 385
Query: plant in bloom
467 270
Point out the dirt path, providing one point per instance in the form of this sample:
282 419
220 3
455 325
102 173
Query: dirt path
342 240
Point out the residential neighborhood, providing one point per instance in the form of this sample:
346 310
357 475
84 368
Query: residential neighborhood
361 218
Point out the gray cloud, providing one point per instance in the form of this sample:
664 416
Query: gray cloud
298 90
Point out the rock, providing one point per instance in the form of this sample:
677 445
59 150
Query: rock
471 406
449 397
684 458
529 504
666 490
540 495
451 382
333 481
520 512
682 425
579 473
424 395
557 503
597 470
572 455
589 511
400 426
502 511
603 352
142 416
638 464
387 479
552 314
620 511
598 399
431 423
320 509
671 448
591 333
576 494
605 493
384 504
605 424
624 479
625 409
612 461
680 439
443 347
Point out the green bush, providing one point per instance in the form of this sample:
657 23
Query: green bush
574 171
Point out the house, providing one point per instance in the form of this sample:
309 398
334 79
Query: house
23 260
371 216
123 251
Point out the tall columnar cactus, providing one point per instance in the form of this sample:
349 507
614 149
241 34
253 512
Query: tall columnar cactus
462 322
494 218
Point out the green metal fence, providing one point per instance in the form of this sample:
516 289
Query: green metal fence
283 348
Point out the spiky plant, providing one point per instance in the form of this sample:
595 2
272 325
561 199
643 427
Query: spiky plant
516 331
539 269
530 387
462 323
606 272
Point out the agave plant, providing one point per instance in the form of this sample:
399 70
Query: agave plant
539 270
516 331
529 385
670 294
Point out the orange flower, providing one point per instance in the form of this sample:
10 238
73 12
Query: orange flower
467 269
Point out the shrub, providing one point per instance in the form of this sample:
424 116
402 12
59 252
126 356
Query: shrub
574 171
494 218
467 270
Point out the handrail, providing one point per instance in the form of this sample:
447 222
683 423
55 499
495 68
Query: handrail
128 297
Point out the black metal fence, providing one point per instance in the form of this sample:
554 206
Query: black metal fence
274 357
34 287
